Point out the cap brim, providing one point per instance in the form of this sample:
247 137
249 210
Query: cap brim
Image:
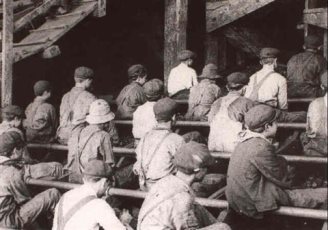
100 119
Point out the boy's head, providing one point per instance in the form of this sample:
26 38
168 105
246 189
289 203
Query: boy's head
268 56
165 109
262 119
187 57
237 81
137 73
42 89
84 76
13 114
312 42
154 89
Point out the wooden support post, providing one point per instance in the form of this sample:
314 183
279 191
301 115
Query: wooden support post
325 44
175 33
222 52
7 53
211 49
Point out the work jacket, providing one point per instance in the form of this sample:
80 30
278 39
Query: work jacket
256 177
303 74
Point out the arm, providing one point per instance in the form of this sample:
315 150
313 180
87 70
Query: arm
106 149
194 78
282 96
272 167
18 187
313 120
214 110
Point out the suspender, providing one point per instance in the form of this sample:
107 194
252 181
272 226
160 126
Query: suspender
61 219
145 169
256 86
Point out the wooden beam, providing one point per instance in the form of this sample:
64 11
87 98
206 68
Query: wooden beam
7 53
316 17
21 23
211 48
175 33
222 13
325 44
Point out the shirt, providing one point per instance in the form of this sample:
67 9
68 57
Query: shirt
317 118
13 192
303 74
75 106
88 143
180 78
129 99
143 119
161 164
41 121
273 90
256 177
95 214
200 100
169 205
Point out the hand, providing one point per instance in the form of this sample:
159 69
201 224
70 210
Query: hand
126 217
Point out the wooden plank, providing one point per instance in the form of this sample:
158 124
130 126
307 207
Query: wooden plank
316 17
52 35
249 40
7 53
211 48
21 23
230 11
175 33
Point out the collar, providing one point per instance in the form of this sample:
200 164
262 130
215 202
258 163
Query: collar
248 134
185 186
39 100
88 190
234 93
4 159
267 68
159 126
184 65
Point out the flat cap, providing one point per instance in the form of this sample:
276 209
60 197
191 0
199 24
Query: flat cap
98 168
83 72
11 111
9 141
192 156
153 89
164 109
41 86
137 70
185 55
323 79
238 78
260 115
312 41
210 71
269 53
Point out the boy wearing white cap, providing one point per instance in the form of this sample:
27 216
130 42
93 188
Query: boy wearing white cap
90 142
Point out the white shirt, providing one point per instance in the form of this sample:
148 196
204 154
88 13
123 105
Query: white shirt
180 78
91 216
274 88
143 119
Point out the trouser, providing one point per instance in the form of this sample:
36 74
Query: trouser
48 171
314 146
207 221
41 204
308 198
182 94
216 226
291 116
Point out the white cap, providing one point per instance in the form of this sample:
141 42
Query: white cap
99 112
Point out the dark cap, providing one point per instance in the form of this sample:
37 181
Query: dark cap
185 55
323 79
192 156
137 70
210 71
260 115
9 141
12 111
269 53
164 109
153 89
98 168
41 86
83 72
312 42
237 78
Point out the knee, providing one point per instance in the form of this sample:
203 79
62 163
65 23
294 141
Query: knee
54 194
